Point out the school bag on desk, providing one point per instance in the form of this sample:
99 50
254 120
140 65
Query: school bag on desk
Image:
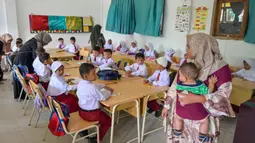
108 74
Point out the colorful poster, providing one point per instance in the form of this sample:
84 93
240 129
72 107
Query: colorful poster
60 24
57 23
38 22
200 18
87 24
182 23
74 24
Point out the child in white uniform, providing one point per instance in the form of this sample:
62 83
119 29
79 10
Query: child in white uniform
95 57
109 45
108 62
133 49
61 44
248 73
149 52
73 48
159 78
138 68
44 72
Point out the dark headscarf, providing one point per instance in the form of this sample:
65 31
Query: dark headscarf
42 39
95 35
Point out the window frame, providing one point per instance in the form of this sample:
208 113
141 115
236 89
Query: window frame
215 24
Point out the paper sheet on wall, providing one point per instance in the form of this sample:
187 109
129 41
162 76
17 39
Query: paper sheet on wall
200 18
182 23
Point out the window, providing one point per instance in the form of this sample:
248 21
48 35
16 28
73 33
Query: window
230 18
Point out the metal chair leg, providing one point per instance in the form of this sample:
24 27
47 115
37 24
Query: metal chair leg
45 134
31 116
20 94
24 102
25 112
118 117
39 115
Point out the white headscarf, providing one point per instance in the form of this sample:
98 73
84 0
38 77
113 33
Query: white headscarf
168 54
134 41
108 46
123 47
57 85
150 52
251 63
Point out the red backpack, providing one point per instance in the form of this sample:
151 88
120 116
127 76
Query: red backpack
55 125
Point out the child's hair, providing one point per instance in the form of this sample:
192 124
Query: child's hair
72 38
189 70
60 39
108 51
139 55
96 48
168 67
85 68
40 51
44 57
19 41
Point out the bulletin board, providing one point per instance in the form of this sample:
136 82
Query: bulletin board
60 24
201 16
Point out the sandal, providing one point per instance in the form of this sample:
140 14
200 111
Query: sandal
205 138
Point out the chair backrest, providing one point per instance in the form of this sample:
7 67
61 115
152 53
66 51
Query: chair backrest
37 91
85 52
60 114
123 63
22 81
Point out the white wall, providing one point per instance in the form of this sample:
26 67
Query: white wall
233 51
61 8
3 24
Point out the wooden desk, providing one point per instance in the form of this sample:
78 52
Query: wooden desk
125 99
73 64
242 91
60 55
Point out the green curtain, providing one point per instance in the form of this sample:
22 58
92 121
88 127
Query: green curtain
250 34
121 17
148 14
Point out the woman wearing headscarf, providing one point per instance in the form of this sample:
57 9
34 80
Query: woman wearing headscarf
248 72
97 38
122 47
149 51
27 55
7 39
204 51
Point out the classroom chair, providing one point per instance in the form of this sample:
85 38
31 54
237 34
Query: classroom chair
39 94
75 125
121 64
26 89
84 52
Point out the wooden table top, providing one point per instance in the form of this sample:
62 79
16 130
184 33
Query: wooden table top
238 82
61 55
73 64
131 90
73 73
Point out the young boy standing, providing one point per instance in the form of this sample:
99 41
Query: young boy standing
90 95
138 68
159 78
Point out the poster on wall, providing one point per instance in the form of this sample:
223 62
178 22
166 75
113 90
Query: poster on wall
200 18
87 24
182 22
59 24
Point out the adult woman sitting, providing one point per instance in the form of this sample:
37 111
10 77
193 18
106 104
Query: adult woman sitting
204 51
27 55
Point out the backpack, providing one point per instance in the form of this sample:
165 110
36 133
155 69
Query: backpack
108 75
23 71
55 125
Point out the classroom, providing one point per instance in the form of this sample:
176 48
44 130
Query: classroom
127 71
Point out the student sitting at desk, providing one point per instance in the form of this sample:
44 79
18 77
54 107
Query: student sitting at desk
149 51
73 48
95 57
61 44
138 68
107 62
122 47
36 63
248 73
133 49
43 70
169 55
59 88
90 95
159 78
109 45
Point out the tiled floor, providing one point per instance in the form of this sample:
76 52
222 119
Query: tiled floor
14 125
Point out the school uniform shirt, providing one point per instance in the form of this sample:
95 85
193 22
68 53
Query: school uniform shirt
108 46
58 86
15 48
90 98
37 65
133 49
150 54
137 70
160 78
72 48
106 63
246 74
96 60
62 46
44 74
